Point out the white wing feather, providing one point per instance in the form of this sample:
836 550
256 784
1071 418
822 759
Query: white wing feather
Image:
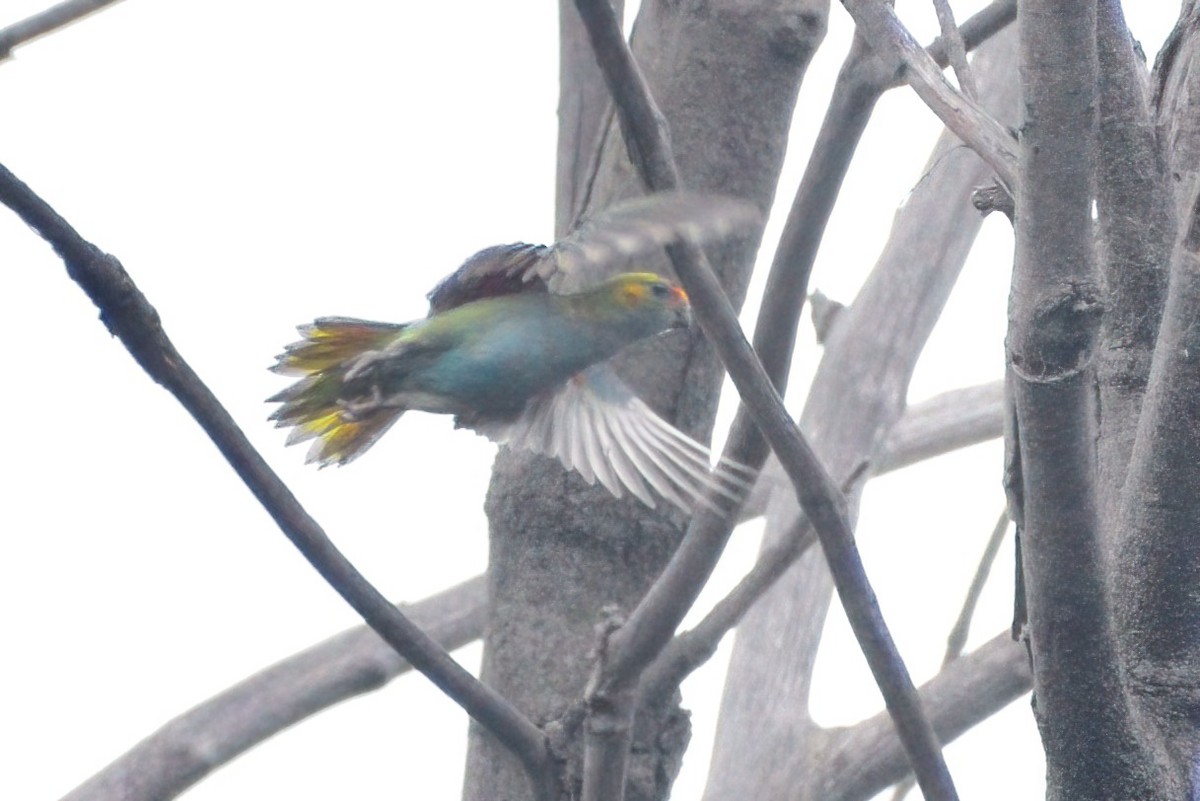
596 426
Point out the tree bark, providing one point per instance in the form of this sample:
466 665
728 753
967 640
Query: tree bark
1136 231
1093 748
1155 604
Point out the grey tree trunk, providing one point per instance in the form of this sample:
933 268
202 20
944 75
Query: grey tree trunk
726 75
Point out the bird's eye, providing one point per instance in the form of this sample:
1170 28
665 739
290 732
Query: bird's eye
660 290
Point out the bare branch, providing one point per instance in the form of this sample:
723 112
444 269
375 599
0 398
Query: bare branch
861 81
632 647
956 50
881 27
856 397
211 734
1174 81
691 649
1155 556
130 317
44 22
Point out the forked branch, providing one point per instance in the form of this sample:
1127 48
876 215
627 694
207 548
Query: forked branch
881 27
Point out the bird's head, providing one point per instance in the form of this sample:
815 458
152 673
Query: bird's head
648 302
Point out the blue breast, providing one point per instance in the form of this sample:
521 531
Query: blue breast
504 351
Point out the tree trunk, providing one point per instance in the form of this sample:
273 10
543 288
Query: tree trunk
726 75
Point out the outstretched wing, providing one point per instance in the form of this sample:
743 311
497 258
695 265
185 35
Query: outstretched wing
595 425
598 248
603 245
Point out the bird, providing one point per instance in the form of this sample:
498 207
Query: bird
517 346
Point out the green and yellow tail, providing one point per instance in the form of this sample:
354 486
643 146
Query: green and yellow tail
316 405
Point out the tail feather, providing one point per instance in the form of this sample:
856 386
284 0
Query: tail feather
346 441
332 341
317 406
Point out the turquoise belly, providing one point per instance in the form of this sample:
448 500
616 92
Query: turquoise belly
502 354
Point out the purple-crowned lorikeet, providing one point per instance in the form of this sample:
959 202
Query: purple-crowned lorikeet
515 347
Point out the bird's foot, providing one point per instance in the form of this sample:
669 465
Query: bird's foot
355 410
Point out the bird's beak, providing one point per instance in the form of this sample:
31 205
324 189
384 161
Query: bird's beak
683 317
682 307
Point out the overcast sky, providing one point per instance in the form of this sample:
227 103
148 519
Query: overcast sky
255 165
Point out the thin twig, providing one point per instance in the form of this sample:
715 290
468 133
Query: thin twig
44 22
131 318
956 49
881 27
209 735
632 647
957 639
854 96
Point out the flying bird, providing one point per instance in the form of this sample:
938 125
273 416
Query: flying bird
516 347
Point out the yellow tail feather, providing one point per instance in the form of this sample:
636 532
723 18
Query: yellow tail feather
332 341
316 405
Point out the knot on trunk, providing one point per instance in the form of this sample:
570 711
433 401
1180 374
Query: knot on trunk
1055 341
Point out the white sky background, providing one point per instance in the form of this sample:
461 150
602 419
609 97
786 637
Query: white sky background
255 165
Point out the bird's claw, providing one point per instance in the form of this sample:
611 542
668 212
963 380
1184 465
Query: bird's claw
364 364
354 410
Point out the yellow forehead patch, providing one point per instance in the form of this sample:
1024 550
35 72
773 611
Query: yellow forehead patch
633 293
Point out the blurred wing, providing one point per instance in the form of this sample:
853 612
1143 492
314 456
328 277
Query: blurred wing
603 245
596 426
598 248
